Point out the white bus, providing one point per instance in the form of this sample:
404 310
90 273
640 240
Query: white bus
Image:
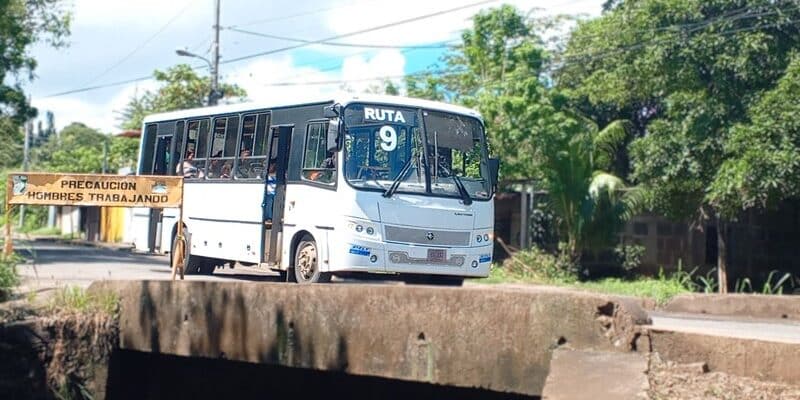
374 184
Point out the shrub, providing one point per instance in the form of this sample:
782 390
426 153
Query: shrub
629 256
8 277
537 265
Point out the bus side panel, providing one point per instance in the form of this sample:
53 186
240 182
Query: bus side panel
139 228
224 219
313 209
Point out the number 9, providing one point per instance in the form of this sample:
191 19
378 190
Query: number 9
389 137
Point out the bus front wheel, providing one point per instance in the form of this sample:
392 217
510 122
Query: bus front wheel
306 263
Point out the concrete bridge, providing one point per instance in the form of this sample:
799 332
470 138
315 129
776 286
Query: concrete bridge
498 339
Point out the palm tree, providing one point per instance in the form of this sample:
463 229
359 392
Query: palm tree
591 204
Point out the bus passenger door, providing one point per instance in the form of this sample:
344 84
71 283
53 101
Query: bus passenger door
281 136
161 162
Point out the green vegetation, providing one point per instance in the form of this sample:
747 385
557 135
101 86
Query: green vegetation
8 276
78 300
538 267
660 289
181 88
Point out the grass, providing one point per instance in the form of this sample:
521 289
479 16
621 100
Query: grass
77 300
45 231
658 289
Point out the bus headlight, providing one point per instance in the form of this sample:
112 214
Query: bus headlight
364 229
483 238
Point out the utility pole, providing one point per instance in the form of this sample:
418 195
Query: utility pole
215 95
25 156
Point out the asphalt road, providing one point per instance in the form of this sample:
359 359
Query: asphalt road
734 327
50 265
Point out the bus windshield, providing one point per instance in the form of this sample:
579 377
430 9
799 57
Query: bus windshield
385 144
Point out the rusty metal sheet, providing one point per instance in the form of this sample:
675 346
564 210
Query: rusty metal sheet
94 190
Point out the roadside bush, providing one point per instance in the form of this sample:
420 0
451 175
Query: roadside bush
537 265
8 277
629 256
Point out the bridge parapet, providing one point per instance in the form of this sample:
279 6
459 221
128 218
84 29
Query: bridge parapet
494 338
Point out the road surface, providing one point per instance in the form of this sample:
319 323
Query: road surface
734 327
50 264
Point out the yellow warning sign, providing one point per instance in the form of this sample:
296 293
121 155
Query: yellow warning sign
95 190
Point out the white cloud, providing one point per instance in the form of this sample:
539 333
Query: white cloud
259 77
102 116
129 23
434 29
139 14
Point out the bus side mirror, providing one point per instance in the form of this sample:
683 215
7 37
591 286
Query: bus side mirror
330 111
494 170
333 137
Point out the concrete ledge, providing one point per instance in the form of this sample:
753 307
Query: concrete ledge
495 339
742 305
744 357
596 375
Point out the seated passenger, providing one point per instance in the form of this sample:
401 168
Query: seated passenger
187 168
243 168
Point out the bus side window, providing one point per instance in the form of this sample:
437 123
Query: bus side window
223 147
251 162
318 164
177 149
148 149
195 150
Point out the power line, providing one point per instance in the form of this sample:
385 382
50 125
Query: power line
443 72
338 44
143 44
287 48
359 32
693 27
300 14
578 58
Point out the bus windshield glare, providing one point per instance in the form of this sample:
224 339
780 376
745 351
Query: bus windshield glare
385 145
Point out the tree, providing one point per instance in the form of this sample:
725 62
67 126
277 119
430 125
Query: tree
761 164
24 23
685 72
497 69
500 69
80 149
181 88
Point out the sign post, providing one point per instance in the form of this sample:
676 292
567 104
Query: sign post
8 247
65 189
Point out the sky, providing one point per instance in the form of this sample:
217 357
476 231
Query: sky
120 40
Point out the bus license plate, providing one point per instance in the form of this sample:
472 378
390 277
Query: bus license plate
437 255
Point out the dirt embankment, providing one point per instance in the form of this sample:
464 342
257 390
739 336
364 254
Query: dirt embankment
46 355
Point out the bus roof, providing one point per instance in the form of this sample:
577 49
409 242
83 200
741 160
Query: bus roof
343 99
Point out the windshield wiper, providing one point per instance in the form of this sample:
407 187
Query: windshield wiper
396 182
462 190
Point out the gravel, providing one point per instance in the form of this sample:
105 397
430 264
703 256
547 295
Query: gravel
669 380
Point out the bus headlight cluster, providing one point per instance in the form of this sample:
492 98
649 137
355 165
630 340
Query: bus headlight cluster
361 228
483 238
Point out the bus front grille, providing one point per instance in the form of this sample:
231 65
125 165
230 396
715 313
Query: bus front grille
426 236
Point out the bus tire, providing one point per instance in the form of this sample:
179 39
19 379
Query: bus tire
306 263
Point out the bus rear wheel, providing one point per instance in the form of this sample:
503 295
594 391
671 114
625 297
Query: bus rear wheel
306 263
